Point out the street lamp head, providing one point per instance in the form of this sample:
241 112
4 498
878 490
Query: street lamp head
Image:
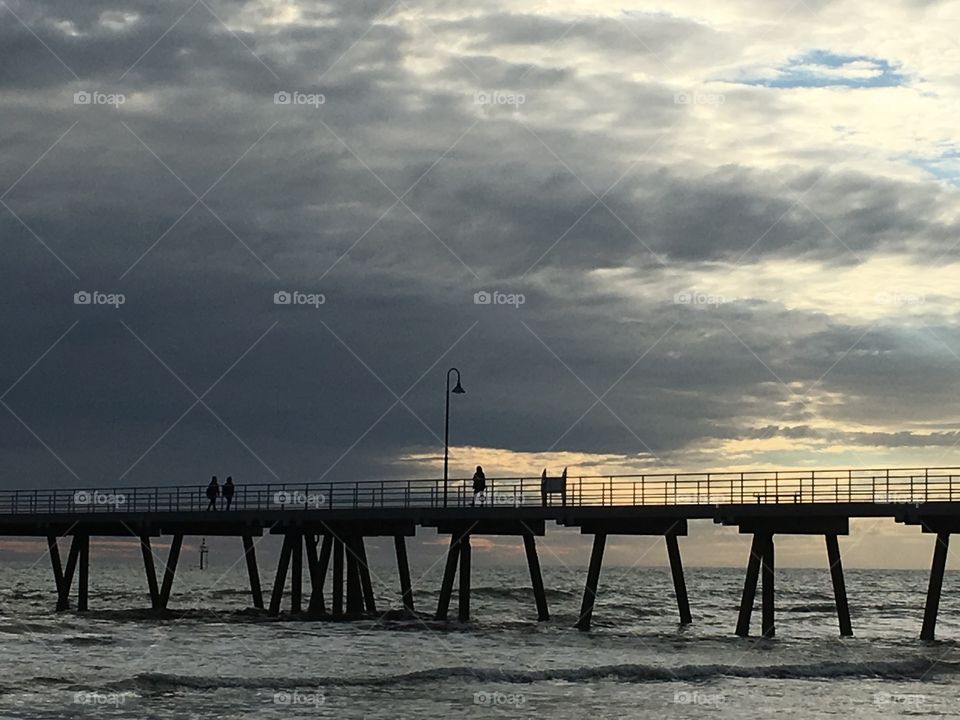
458 390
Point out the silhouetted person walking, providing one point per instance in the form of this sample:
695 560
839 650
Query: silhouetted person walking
213 492
228 489
479 486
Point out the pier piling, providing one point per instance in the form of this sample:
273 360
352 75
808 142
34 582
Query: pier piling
316 604
84 578
253 572
679 583
354 587
403 569
337 601
536 577
446 586
839 586
150 569
171 570
935 587
463 597
369 600
63 600
768 627
280 580
296 580
323 562
593 579
53 549
750 586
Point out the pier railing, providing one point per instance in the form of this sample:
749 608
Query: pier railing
879 486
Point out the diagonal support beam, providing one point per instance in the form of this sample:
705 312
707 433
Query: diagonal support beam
679 583
354 589
63 599
280 580
750 585
151 572
171 570
316 604
366 584
839 586
253 572
403 569
536 577
593 579
449 571
935 587
54 550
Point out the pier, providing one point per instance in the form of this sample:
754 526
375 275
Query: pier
325 527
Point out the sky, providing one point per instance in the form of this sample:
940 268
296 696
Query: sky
713 237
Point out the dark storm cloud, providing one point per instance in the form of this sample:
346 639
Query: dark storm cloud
496 201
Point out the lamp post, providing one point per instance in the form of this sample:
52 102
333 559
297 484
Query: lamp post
458 390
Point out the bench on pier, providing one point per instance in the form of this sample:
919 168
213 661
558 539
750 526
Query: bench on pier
553 486
764 496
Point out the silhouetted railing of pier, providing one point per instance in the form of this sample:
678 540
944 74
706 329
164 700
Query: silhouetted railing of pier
881 486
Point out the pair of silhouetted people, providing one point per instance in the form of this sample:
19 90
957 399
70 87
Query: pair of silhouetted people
479 486
214 491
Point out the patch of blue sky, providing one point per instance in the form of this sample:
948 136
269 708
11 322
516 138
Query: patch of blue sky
944 167
821 68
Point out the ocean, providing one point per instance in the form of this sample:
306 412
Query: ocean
212 657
